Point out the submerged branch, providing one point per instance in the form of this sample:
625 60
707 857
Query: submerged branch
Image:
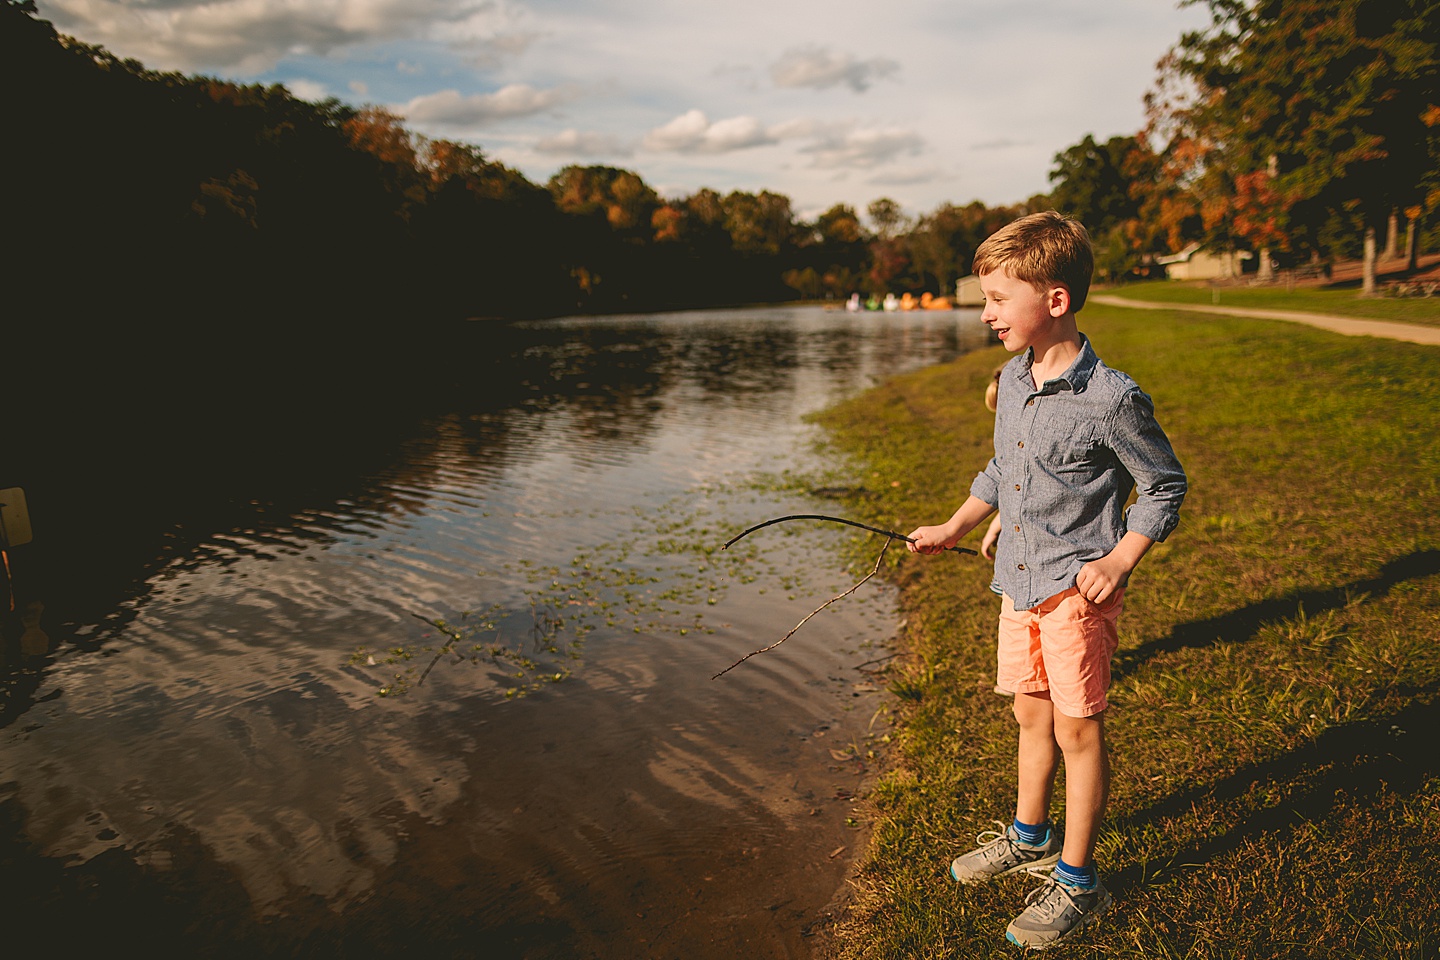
873 571
454 636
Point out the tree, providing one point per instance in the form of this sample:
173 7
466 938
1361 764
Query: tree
836 250
840 225
1335 91
1093 185
625 201
760 224
1106 186
887 216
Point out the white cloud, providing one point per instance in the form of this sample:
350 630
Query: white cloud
864 148
307 89
250 36
1003 143
577 143
692 132
975 83
909 176
453 109
819 68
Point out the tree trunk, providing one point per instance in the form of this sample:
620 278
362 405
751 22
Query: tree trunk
1392 236
1266 271
1367 284
1412 246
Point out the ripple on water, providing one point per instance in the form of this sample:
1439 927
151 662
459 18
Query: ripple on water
217 709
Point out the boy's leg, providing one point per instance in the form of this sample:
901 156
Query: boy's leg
1007 851
1078 642
1087 783
1039 756
1079 638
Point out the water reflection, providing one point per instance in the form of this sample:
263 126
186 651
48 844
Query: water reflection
198 734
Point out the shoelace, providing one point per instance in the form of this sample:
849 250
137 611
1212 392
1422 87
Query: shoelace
993 835
987 837
1054 907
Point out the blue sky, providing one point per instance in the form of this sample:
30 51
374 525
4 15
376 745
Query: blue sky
922 101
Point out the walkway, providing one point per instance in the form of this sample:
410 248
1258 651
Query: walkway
1350 326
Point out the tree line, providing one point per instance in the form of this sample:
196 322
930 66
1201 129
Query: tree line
1289 129
190 193
1299 131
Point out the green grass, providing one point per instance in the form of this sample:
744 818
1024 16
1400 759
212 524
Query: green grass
1337 301
1277 691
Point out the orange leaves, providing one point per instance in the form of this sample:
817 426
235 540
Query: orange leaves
382 133
1259 209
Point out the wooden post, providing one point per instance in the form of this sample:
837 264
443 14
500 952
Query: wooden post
1392 236
1412 241
1367 285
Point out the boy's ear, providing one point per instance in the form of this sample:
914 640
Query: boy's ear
1057 300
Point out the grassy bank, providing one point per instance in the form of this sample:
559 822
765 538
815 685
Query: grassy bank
1337 301
1276 701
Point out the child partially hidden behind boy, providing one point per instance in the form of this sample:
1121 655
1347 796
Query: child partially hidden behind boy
1072 439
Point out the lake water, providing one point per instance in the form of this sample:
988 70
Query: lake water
233 727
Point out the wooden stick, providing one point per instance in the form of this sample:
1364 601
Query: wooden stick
812 613
853 523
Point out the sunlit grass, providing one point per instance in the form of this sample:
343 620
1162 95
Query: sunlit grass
1336 301
1277 691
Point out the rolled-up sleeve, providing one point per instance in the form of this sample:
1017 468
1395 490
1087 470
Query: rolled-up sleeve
986 485
1142 447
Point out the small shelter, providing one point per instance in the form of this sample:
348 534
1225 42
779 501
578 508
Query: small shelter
967 292
1193 263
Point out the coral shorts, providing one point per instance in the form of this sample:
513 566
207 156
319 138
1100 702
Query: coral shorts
1064 646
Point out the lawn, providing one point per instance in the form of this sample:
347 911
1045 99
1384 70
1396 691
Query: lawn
1276 700
1342 301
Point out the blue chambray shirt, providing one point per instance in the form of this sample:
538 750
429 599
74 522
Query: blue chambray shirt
1067 456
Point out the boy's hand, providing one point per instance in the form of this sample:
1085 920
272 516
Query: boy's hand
992 537
930 540
936 539
1098 579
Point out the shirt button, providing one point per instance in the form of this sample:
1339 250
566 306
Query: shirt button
1017 528
1020 566
1017 486
1030 402
1022 444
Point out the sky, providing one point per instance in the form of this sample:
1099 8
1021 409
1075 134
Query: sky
924 102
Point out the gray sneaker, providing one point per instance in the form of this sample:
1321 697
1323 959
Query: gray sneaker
1001 852
1054 911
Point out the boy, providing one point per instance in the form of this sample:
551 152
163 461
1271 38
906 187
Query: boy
1072 438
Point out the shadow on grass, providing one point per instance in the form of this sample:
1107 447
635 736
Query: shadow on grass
1244 623
1345 764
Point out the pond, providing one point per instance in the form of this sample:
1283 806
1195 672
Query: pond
445 685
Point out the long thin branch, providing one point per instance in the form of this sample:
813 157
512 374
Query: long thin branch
454 636
893 535
812 613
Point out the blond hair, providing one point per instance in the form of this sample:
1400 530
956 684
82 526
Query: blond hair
992 392
1041 249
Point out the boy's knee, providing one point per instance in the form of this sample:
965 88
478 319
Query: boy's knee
1033 710
1079 734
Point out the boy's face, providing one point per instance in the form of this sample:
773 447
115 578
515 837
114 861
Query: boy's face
1020 315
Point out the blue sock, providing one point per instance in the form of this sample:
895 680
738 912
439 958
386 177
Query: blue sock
1085 878
1032 833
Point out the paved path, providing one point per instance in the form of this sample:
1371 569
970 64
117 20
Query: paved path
1414 333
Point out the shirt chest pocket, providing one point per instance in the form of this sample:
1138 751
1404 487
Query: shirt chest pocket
1069 447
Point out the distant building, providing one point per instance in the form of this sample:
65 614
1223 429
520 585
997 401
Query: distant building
1193 263
967 292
